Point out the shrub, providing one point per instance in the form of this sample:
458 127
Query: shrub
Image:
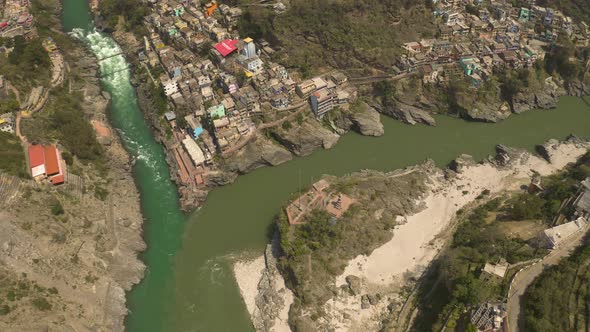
41 304
287 125
57 209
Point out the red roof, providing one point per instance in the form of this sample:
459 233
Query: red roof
226 47
3 24
36 156
51 160
58 179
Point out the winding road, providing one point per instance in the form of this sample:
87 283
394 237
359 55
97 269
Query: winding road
525 278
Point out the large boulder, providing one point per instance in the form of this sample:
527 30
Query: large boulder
488 112
545 100
220 178
354 284
306 138
407 114
522 102
367 121
257 153
505 154
461 162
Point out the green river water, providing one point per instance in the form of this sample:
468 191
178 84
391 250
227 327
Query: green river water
189 285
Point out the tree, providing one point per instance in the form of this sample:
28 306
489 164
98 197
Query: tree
286 125
527 206
9 105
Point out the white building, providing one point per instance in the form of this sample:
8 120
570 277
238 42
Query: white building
194 151
559 234
170 88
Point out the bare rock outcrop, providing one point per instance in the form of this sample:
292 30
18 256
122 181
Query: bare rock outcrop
271 300
367 121
306 138
258 153
407 114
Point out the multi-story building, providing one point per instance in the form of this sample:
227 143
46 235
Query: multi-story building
322 101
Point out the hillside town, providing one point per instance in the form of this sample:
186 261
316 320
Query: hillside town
221 87
16 19
476 41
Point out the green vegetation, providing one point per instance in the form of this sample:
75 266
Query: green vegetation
131 11
56 208
559 61
578 9
347 34
9 105
101 193
27 65
558 300
41 303
317 251
454 280
63 119
12 160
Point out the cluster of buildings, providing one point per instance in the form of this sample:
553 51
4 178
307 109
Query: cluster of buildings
318 197
45 164
475 42
15 18
217 81
490 317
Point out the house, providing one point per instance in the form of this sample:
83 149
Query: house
193 150
470 65
45 163
170 116
582 203
170 88
226 47
194 125
322 101
494 271
306 88
557 235
216 112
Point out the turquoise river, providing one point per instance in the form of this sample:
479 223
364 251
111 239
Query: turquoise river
188 284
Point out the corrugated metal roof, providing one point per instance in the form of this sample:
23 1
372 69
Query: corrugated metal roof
51 160
36 156
58 179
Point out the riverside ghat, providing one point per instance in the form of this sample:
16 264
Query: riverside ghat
189 284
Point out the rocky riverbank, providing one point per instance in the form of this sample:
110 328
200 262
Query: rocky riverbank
370 293
276 145
263 289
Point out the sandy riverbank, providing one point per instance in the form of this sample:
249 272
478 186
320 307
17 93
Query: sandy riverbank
415 244
412 247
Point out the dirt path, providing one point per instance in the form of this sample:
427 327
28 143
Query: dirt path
526 277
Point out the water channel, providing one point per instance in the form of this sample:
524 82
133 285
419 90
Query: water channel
189 285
